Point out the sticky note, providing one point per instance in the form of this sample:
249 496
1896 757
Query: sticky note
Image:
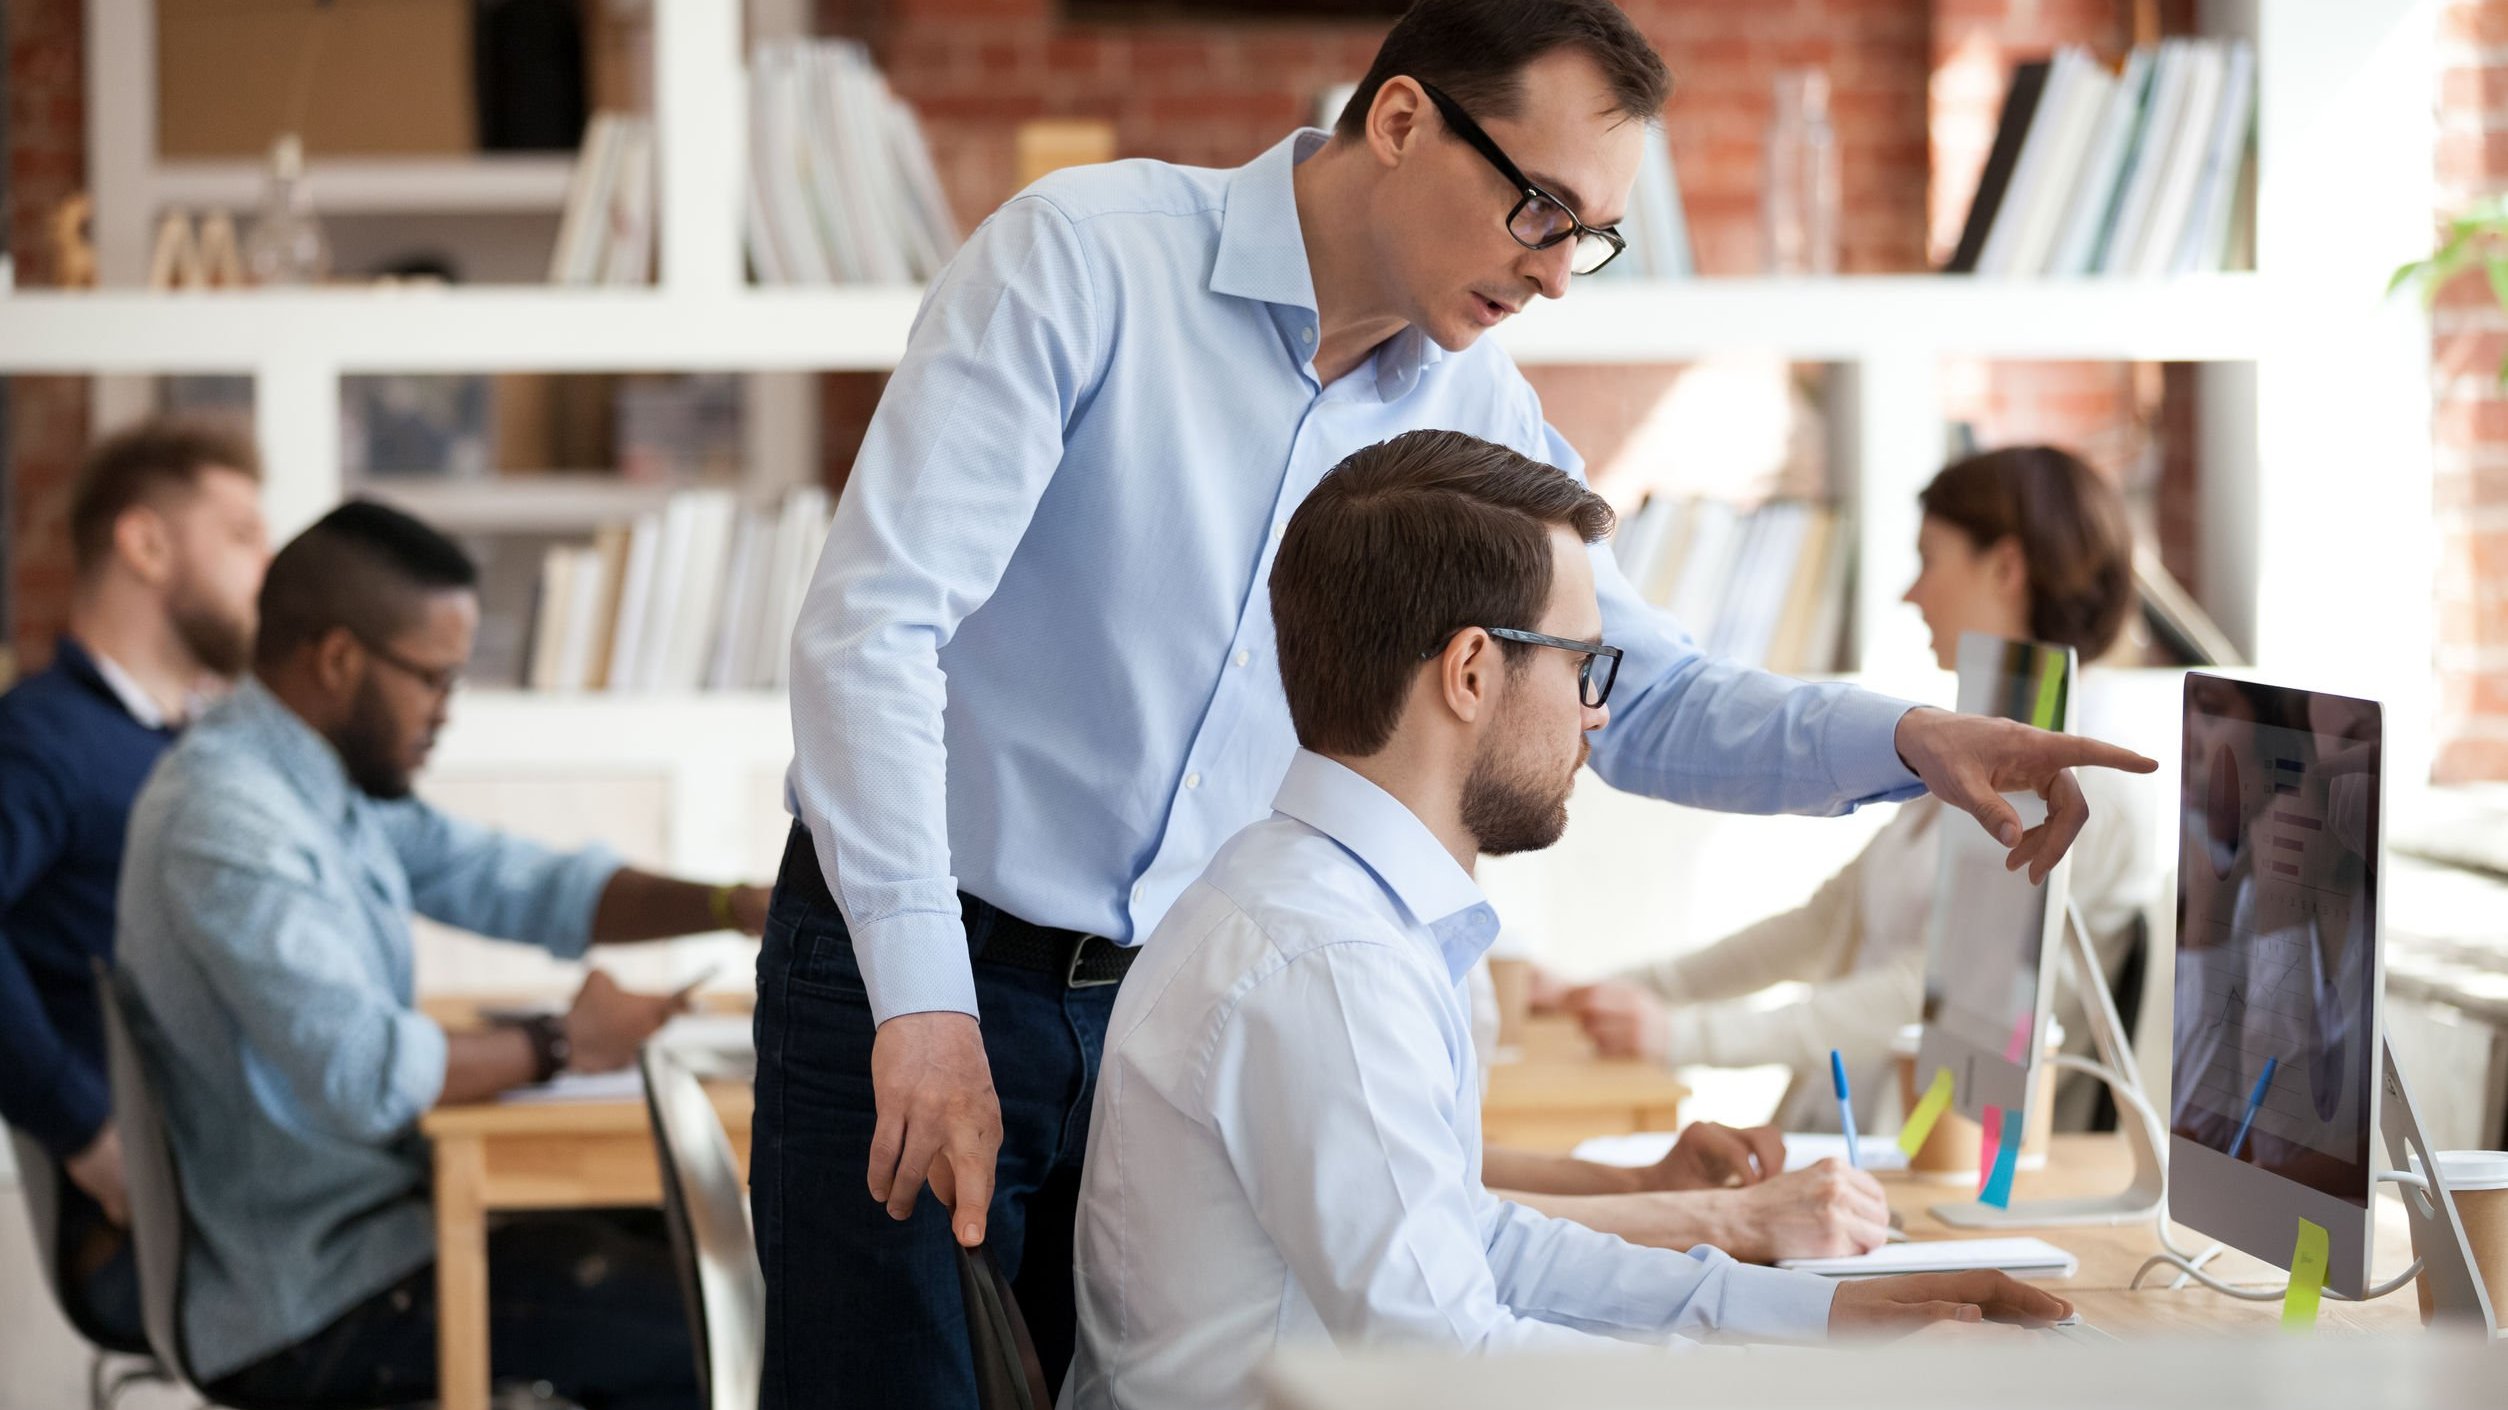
1937 1097
2044 710
1998 1185
1989 1138
2307 1279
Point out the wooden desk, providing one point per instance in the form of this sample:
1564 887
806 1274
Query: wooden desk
1555 1093
2081 1164
491 1157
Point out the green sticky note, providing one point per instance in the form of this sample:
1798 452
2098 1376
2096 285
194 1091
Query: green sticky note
1937 1099
2307 1279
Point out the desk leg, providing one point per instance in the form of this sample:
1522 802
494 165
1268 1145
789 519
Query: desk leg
461 1274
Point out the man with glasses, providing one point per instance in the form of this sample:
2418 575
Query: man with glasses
275 858
1035 683
1286 1145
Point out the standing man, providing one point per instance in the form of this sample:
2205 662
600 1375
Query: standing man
1034 683
168 541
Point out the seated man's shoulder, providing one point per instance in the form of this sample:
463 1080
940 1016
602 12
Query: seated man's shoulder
1302 891
1133 187
210 788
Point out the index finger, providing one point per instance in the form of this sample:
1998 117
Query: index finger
2073 751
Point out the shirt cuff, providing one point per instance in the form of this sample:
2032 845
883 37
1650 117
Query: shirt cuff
1862 746
1777 1304
70 1108
419 1053
575 896
916 962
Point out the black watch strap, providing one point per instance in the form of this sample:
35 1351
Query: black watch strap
550 1049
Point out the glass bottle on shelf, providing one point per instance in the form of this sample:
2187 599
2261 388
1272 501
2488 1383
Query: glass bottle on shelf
1800 198
287 245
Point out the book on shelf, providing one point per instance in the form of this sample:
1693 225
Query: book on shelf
702 594
605 234
1765 585
2140 172
841 184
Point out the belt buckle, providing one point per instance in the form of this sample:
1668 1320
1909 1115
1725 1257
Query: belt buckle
1071 973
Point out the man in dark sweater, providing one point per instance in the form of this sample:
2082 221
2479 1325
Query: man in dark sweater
170 545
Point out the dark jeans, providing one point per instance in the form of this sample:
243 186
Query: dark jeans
861 1307
588 1303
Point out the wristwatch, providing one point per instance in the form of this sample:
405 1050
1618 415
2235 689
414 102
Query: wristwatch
551 1049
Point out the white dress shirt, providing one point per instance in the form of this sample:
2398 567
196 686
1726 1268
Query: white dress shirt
1286 1142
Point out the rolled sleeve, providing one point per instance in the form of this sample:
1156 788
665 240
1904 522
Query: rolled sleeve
494 884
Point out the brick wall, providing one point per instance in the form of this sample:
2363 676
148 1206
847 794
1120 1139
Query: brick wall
47 159
2471 413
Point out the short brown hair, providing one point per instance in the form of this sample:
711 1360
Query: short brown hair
1401 546
1474 51
139 465
2072 529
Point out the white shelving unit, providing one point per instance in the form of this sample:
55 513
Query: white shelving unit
2314 410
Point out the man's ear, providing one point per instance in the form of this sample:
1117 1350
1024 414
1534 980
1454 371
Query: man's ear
339 662
145 543
1396 120
1467 674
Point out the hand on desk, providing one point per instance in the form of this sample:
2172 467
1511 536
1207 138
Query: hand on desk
1891 1307
1970 761
1828 1210
607 1024
1711 1156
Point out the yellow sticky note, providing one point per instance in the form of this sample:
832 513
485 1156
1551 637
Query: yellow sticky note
1937 1099
2307 1279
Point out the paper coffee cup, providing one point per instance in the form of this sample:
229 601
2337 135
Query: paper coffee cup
2478 1182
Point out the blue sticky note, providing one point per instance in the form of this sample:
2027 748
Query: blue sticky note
1998 1185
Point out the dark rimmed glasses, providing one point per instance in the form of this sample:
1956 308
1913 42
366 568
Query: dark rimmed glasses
1539 220
440 681
1594 675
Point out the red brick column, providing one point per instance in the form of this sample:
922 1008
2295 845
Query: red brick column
47 159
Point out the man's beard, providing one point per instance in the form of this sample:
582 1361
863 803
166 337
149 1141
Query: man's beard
368 749
222 645
1508 812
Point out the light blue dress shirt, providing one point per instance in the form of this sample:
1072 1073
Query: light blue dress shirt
263 931
1036 659
1286 1142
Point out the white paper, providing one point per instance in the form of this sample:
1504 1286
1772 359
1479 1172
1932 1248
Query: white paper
1945 1256
1803 1149
624 1085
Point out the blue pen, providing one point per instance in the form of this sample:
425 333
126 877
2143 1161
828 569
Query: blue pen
2254 1099
1845 1110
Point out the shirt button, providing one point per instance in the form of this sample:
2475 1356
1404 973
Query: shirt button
1308 332
1192 780
1244 656
1136 895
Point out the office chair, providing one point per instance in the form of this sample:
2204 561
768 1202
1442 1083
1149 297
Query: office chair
706 1209
1008 1375
39 1178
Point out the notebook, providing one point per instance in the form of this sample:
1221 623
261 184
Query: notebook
2031 1256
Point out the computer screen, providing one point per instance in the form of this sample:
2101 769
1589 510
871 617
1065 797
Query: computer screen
2275 1057
1991 934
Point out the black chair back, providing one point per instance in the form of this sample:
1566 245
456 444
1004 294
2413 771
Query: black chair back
1008 1375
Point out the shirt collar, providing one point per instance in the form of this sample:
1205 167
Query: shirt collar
1262 256
141 705
1406 859
305 759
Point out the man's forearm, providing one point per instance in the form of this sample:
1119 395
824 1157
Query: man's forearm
1503 1168
637 905
1678 1220
478 1066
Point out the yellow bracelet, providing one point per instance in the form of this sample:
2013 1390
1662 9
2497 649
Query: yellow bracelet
718 902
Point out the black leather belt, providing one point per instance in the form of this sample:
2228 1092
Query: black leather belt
1080 960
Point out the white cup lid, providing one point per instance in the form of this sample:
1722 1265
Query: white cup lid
2474 1170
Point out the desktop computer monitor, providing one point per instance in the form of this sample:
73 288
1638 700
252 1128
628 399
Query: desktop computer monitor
1991 942
2273 1086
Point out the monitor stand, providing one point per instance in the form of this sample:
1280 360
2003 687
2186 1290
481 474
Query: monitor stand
2136 1121
2458 1300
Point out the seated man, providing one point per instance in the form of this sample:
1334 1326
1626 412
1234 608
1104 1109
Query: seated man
275 857
1286 1141
1718 1185
167 541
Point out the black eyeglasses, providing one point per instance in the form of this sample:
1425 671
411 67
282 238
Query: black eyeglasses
439 680
1594 675
1539 220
